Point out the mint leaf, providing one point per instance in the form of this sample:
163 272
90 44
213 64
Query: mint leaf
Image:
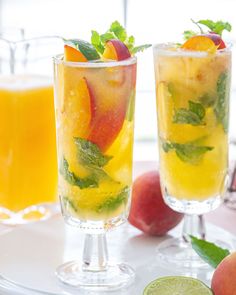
171 88
107 36
193 116
84 47
207 100
190 153
209 252
140 48
216 27
71 178
130 42
90 154
222 103
197 108
167 146
96 42
113 202
131 107
67 201
189 34
118 30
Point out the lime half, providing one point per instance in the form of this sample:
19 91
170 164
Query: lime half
177 286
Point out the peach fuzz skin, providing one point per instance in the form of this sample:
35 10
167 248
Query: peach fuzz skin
148 211
224 277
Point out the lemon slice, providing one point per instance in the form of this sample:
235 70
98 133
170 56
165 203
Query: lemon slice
177 286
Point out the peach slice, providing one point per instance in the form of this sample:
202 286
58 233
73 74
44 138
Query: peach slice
216 39
74 55
116 50
109 106
200 43
84 105
106 124
77 105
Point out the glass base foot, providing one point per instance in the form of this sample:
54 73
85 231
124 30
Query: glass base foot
180 254
114 277
193 207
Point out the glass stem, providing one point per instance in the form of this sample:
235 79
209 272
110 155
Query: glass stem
193 225
95 255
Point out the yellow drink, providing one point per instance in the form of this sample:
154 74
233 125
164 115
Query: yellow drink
192 102
28 164
95 108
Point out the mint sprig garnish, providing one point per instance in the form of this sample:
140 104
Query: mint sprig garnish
116 31
84 47
209 252
217 27
190 153
194 115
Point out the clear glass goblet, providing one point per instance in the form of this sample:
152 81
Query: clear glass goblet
95 124
192 90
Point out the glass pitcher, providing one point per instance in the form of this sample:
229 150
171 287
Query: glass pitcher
28 161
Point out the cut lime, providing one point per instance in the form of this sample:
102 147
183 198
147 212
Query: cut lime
177 286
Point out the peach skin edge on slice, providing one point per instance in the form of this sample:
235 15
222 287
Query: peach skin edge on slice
116 50
74 55
105 127
85 106
200 43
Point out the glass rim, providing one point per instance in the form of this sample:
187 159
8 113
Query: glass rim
94 64
164 49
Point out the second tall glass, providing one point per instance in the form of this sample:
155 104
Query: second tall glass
193 113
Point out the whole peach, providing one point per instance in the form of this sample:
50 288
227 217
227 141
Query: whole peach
224 277
148 211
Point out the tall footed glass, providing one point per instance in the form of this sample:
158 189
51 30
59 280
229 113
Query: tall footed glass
95 121
192 91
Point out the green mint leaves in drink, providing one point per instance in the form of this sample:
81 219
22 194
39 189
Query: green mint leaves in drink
87 182
190 153
194 115
116 31
209 252
114 202
221 108
90 154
